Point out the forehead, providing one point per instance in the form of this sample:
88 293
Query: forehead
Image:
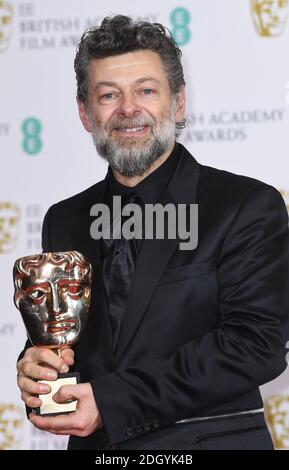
127 67
49 272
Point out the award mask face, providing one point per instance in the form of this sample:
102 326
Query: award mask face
52 292
269 16
9 225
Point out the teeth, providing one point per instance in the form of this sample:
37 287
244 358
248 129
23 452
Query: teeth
132 129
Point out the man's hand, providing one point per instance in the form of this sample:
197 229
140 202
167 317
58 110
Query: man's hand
83 422
40 363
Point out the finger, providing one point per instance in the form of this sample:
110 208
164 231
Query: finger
48 357
68 356
31 387
30 369
67 432
67 393
29 400
55 424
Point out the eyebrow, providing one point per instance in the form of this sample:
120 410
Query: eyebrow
138 81
31 287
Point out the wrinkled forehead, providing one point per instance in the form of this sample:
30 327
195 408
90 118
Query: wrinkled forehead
51 273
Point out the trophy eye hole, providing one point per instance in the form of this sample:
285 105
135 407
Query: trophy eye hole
74 289
37 294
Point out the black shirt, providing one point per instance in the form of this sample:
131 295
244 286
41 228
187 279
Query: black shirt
117 277
149 189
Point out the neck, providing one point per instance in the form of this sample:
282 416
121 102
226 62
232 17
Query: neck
132 181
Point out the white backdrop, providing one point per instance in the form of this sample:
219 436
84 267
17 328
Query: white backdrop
237 117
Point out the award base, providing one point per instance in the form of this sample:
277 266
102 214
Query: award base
49 407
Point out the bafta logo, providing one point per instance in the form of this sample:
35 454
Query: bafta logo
6 17
277 417
11 426
269 16
9 226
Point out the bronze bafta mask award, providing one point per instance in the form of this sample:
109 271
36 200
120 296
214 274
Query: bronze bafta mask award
52 292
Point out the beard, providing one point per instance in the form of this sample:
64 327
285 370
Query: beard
133 156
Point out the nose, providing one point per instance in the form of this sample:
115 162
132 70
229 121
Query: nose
55 301
128 106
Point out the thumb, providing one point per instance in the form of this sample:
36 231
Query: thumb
66 394
68 356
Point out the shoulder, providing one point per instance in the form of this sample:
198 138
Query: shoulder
77 202
240 198
235 188
225 193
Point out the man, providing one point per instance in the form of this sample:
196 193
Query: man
173 358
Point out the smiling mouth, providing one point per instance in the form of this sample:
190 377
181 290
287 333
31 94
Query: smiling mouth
59 326
131 131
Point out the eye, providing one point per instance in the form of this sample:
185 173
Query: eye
37 294
148 91
108 96
74 289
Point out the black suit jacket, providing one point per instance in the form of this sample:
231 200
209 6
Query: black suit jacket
203 328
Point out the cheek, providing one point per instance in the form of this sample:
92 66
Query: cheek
32 312
75 307
103 115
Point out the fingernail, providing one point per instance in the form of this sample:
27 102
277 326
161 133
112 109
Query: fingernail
64 368
44 388
51 375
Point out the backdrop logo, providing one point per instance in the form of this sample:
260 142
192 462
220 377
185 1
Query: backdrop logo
6 17
180 19
277 417
11 425
31 143
269 16
9 226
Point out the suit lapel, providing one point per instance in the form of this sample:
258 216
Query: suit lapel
155 254
91 249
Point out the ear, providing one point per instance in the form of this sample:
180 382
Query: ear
181 104
83 115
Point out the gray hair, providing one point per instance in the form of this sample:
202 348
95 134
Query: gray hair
121 34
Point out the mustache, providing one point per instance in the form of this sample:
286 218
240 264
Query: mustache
137 121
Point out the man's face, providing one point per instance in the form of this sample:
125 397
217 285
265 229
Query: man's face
9 224
54 304
270 16
131 112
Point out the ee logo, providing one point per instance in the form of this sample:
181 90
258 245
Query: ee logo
180 19
31 143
